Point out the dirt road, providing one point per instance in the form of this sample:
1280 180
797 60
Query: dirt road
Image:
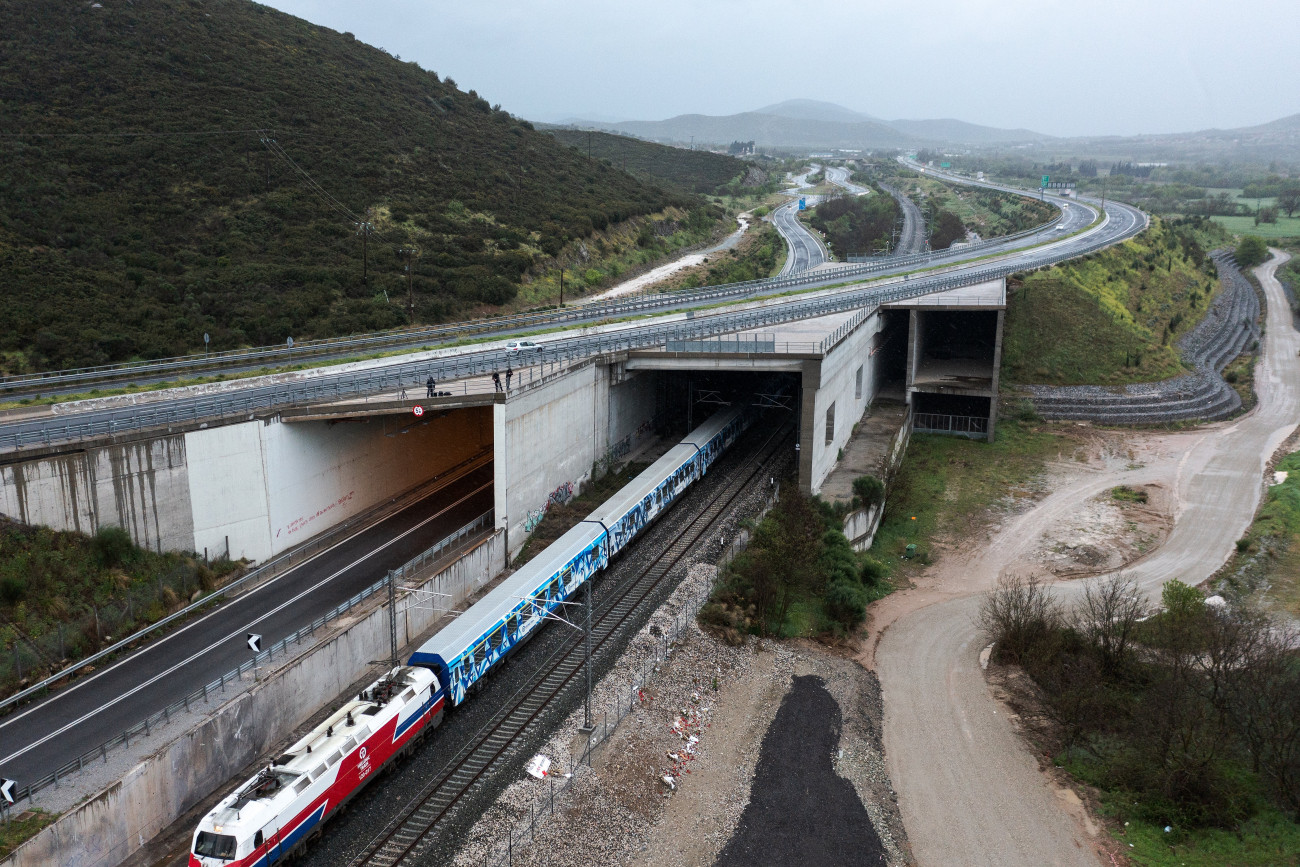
969 791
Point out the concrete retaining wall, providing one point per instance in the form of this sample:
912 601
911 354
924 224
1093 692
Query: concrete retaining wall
860 525
252 489
143 487
115 823
837 385
547 440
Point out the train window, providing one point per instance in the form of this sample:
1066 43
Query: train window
210 845
258 839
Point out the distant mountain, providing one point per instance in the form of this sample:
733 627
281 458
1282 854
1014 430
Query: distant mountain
815 109
959 131
766 130
814 124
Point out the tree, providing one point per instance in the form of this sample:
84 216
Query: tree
1251 251
1108 616
1289 200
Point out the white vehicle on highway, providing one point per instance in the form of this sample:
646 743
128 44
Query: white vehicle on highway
523 346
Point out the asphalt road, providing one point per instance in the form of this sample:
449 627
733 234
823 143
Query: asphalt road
839 176
40 737
804 250
969 791
912 238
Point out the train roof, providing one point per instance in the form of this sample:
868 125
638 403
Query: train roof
636 490
461 635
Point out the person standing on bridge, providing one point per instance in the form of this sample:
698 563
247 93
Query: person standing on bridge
432 384
496 380
509 374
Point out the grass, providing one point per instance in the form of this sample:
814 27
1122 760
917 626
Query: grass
1112 317
946 486
1125 494
22 828
1268 839
1268 555
1285 227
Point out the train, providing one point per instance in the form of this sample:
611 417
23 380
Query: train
271 815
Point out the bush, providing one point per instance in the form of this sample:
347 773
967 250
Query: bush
1021 617
1251 251
846 603
113 546
869 490
873 572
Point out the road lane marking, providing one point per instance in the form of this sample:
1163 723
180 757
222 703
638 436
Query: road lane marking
238 631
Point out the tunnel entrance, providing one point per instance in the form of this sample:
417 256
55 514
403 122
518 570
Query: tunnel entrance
686 398
890 352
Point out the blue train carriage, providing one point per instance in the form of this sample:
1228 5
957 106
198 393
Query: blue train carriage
634 507
467 649
717 434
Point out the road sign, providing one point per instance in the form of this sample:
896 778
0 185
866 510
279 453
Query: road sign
802 205
1047 179
7 789
290 342
417 411
254 642
945 165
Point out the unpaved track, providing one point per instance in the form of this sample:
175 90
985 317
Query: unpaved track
969 791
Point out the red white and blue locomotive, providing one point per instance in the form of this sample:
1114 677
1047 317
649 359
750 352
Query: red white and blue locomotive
284 804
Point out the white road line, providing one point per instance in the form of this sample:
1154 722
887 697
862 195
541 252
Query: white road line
222 609
241 630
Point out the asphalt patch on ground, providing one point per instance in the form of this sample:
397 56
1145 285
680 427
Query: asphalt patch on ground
800 811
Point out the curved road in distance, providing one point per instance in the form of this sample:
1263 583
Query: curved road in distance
839 176
1122 220
969 790
38 738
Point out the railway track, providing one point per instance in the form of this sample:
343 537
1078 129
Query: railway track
404 838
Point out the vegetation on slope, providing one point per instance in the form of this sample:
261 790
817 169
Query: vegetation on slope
857 225
1112 317
64 595
179 168
1267 560
688 170
1187 720
798 576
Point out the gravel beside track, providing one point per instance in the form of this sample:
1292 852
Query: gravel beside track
1230 327
346 836
801 811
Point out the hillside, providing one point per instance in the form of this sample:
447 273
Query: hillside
176 167
691 171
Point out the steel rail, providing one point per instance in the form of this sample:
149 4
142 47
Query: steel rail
403 836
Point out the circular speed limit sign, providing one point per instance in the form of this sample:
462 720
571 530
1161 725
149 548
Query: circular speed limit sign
418 410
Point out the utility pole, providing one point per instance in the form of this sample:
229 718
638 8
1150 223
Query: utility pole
408 252
561 287
364 229
586 704
392 617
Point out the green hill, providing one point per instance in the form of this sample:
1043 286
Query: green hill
172 168
693 171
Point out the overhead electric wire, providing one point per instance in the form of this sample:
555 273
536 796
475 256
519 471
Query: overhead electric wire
274 147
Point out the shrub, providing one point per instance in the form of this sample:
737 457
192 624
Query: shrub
1251 251
869 490
846 603
113 546
1021 617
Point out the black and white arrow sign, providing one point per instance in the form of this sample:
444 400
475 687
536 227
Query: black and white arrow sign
254 642
7 789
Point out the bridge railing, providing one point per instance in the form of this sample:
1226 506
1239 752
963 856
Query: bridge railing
461 538
246 403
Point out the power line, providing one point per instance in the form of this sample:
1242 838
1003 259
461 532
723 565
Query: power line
274 147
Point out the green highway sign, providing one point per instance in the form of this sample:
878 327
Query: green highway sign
1046 180
945 165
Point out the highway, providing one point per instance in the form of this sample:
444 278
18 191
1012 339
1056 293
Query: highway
98 707
804 250
912 239
839 176
40 737
260 394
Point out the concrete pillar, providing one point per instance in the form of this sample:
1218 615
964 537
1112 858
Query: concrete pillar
809 383
913 352
500 470
997 369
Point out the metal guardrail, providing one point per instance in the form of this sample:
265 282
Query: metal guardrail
266 570
483 523
744 343
247 402
312 348
932 422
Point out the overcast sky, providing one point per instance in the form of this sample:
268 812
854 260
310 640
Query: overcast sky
1063 67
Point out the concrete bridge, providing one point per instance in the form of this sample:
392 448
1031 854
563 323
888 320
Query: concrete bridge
258 485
